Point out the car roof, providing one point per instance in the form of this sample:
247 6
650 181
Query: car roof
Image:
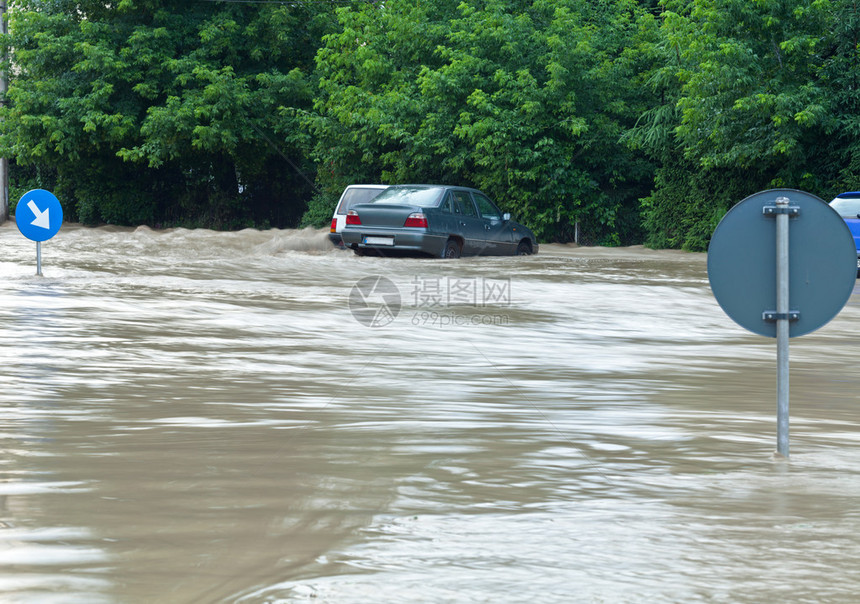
426 186
849 195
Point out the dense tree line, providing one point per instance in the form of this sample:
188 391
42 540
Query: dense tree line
638 120
163 111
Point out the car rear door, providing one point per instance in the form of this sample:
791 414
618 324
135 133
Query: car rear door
471 224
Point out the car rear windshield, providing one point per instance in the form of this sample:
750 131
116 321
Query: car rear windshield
848 206
357 195
410 196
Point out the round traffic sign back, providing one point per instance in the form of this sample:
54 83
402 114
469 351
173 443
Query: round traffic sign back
742 262
39 215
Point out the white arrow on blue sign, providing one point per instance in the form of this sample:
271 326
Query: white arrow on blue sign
39 215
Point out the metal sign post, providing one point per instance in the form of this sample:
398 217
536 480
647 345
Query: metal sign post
780 286
782 319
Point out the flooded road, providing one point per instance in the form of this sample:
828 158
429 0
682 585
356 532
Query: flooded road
191 416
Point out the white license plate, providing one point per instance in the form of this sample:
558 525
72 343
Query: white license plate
379 241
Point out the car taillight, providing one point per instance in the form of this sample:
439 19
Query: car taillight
334 225
416 219
352 217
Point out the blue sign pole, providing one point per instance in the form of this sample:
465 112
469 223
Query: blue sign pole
39 217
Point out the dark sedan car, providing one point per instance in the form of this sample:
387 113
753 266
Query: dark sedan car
438 220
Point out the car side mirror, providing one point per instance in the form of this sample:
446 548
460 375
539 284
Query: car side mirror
506 217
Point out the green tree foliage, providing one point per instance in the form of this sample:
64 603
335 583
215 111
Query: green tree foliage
841 75
525 100
369 107
635 119
756 94
163 110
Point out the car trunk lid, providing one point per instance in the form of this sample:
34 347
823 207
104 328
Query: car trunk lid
384 215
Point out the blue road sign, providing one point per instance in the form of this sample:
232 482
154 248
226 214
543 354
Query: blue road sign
39 215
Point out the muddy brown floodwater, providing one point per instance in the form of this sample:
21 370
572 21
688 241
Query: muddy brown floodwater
192 416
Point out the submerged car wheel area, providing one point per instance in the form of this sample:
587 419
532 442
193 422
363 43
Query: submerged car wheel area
848 206
452 249
524 248
435 220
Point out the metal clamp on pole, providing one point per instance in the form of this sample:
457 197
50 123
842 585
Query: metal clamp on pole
772 315
792 211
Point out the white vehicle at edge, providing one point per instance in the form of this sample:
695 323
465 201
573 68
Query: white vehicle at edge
351 195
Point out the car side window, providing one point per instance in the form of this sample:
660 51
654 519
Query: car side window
464 201
448 205
486 207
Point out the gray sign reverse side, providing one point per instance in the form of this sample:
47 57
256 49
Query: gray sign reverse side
742 262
